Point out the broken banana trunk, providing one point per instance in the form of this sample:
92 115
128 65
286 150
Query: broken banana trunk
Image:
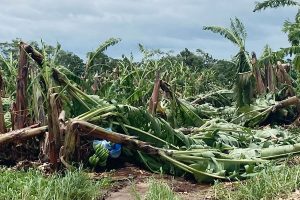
77 128
22 134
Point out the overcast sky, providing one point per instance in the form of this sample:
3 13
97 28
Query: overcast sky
81 25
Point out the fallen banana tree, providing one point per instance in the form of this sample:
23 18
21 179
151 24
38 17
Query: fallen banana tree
22 134
193 155
76 128
186 160
205 164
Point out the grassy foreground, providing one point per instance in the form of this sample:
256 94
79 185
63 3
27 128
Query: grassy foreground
269 184
32 185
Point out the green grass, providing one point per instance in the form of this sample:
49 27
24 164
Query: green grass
158 190
269 184
32 185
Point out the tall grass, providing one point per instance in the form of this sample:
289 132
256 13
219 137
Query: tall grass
33 185
270 184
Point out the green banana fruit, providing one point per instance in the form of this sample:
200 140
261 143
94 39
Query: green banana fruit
92 160
100 156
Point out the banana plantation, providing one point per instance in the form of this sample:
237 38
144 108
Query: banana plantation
206 121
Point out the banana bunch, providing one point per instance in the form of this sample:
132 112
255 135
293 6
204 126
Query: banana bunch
100 156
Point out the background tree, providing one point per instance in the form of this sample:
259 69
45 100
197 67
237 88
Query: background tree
245 81
274 4
71 61
293 31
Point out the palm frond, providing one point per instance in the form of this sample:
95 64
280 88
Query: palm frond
296 62
238 28
274 4
227 33
100 49
293 30
290 50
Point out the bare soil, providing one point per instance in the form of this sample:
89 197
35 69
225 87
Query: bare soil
294 196
130 177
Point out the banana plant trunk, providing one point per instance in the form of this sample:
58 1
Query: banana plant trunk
34 54
20 111
154 100
22 134
2 122
260 86
20 107
55 138
283 78
270 78
287 102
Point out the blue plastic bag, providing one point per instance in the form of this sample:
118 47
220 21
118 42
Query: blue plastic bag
114 149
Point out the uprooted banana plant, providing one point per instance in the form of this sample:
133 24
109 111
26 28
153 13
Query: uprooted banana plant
215 150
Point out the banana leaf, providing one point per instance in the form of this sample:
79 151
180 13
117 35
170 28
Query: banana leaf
219 133
218 98
267 110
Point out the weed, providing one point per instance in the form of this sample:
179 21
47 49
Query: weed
33 185
269 184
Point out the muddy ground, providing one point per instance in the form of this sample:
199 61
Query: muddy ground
128 178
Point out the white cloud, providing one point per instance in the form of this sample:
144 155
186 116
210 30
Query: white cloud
80 25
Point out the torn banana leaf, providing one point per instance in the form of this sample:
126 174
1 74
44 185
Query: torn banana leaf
221 134
220 98
265 111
